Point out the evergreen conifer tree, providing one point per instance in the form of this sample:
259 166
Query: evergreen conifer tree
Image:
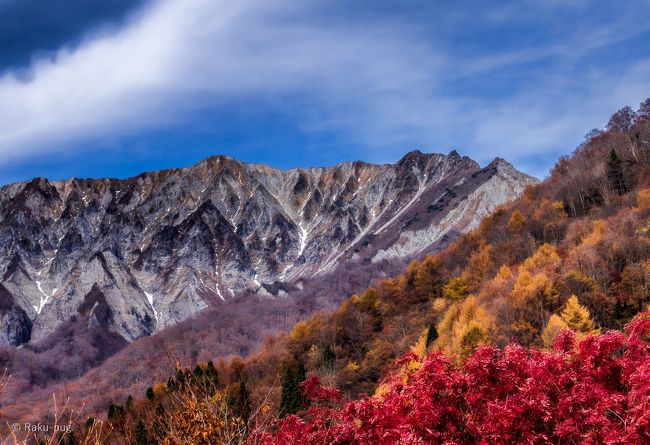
432 334
300 373
115 412
211 373
141 437
90 421
287 398
615 174
241 405
292 400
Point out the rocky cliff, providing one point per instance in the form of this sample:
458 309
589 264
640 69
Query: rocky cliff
155 249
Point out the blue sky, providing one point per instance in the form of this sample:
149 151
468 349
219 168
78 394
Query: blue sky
113 88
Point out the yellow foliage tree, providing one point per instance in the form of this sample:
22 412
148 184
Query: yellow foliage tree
379 353
574 316
554 326
159 389
578 282
305 333
479 266
456 288
313 357
577 317
559 208
352 366
537 287
516 221
420 346
466 324
300 332
439 305
474 335
499 287
545 259
427 278
600 229
530 294
503 274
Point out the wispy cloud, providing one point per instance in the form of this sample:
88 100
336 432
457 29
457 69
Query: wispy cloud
387 83
155 68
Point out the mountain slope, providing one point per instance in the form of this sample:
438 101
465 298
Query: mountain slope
561 269
163 246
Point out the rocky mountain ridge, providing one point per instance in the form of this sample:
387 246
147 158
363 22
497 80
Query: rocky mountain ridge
139 254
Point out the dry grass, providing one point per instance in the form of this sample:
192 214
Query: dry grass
192 414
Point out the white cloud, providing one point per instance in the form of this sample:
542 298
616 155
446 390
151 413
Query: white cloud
153 70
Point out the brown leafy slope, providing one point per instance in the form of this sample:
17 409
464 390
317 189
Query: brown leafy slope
584 231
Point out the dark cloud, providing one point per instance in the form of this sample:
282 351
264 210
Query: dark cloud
29 28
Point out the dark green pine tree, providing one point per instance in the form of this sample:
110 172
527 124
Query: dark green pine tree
432 334
287 398
90 421
115 412
129 402
291 399
111 412
211 373
241 404
149 394
198 378
141 436
301 376
181 378
616 175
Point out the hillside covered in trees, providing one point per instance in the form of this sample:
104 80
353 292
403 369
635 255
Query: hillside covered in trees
530 329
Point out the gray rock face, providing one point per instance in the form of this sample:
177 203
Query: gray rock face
15 325
162 246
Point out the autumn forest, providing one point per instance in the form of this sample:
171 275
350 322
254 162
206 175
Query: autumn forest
532 328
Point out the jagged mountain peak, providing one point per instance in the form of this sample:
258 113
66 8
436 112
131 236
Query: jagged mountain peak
504 167
164 245
501 164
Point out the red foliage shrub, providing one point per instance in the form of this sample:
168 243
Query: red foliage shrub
315 392
595 392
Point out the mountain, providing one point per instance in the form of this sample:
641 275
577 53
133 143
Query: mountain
551 288
158 248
